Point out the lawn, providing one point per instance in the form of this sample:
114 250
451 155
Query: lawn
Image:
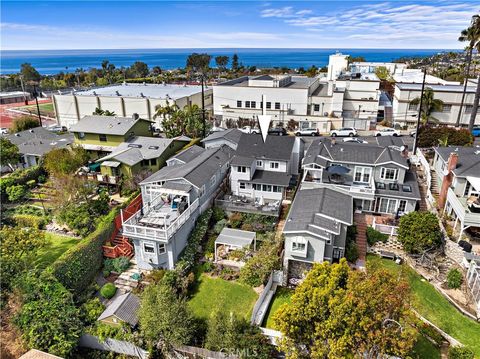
231 297
45 108
424 348
56 245
434 307
282 296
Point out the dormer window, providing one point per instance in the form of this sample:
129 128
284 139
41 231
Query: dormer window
242 169
389 174
299 246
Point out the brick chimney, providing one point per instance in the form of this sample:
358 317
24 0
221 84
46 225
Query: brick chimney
447 179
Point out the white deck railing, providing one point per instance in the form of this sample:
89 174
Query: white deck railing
384 228
132 228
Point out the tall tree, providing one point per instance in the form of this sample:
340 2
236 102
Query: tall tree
64 161
199 63
472 36
139 69
10 155
429 105
235 63
29 73
341 313
164 318
221 62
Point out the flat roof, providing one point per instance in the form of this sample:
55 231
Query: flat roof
144 90
13 94
297 82
235 237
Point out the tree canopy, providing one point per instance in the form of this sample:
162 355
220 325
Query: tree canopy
64 161
25 123
199 62
10 155
429 105
340 313
221 62
175 122
29 73
419 231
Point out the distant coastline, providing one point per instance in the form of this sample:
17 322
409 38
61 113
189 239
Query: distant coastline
49 62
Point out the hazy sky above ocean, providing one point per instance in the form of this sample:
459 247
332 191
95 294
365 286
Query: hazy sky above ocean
420 24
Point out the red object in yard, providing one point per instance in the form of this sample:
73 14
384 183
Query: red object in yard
120 246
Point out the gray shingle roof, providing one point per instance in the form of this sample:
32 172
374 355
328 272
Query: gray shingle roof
242 161
232 134
139 148
326 203
189 154
385 141
271 177
274 148
468 159
322 151
410 181
38 141
124 307
109 125
198 171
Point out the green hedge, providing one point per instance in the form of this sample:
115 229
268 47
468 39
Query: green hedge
20 177
432 136
374 236
77 267
28 220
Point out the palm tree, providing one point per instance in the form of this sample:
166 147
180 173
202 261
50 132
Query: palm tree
472 35
99 112
429 105
473 115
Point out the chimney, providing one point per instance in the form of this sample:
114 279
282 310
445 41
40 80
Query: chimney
447 179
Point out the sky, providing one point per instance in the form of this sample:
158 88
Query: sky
84 24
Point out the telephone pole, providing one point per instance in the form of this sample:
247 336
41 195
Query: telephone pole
35 94
203 109
415 143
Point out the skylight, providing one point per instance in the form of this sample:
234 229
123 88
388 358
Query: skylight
406 188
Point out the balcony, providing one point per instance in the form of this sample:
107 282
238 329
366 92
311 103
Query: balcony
461 209
158 221
243 204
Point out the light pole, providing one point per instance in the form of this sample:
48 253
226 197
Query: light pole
203 109
35 94
415 143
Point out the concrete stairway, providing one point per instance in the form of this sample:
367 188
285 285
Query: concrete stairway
125 282
434 184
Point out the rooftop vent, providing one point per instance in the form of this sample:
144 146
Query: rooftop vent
117 93
153 147
31 130
17 135
94 93
135 145
135 116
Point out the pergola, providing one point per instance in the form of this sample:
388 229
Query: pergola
235 239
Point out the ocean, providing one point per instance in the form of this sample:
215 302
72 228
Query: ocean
53 61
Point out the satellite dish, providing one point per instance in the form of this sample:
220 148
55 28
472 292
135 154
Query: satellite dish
445 172
402 148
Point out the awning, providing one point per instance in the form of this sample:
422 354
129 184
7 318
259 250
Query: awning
111 163
475 182
235 238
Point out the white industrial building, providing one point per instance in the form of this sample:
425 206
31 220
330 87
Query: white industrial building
126 99
322 102
451 95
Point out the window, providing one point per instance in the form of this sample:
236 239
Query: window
81 135
247 104
153 162
102 138
362 174
468 109
389 174
274 165
266 188
316 107
446 108
202 191
239 103
402 206
161 248
269 105
393 186
144 163
412 107
259 163
387 205
277 189
406 188
253 104
241 185
277 105
148 248
257 187
467 188
242 169
299 246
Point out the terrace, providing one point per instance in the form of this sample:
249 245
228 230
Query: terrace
233 203
160 218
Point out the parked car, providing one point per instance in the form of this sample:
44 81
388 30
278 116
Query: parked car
344 131
4 131
354 140
57 128
387 132
476 131
278 131
249 129
307 132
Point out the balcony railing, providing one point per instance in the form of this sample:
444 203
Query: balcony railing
460 207
132 226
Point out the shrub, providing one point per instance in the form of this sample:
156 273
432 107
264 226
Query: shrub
31 183
208 267
374 236
91 310
24 123
155 276
121 264
246 227
235 220
351 253
77 267
419 231
108 290
27 220
460 353
218 214
431 136
454 278
20 177
16 192
219 226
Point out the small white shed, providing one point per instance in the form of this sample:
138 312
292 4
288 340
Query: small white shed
235 239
